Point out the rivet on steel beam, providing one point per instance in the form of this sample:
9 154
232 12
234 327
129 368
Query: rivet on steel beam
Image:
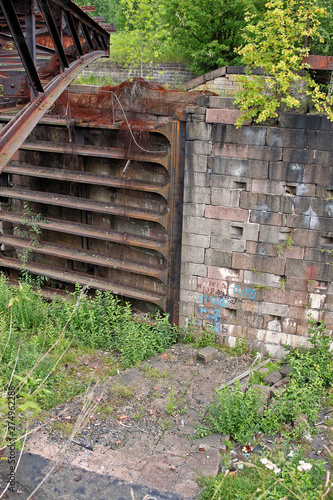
12 85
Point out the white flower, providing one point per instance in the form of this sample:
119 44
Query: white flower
303 466
264 461
277 470
290 454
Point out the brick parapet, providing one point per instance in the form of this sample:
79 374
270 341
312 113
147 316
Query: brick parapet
261 236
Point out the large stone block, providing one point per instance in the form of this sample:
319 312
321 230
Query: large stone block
320 140
217 258
195 163
223 213
263 279
193 254
225 197
199 147
255 136
264 153
258 263
260 201
227 244
297 120
281 310
194 194
270 218
198 131
267 186
277 137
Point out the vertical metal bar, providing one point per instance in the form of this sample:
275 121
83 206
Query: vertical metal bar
21 45
30 28
51 26
74 33
87 36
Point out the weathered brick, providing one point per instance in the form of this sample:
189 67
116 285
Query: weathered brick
249 319
225 197
273 309
296 120
260 201
194 209
201 225
271 218
259 263
231 214
273 234
250 231
202 241
193 254
313 207
324 191
289 325
306 189
189 296
298 155
264 153
186 308
255 136
222 115
320 140
217 258
198 131
322 158
317 300
293 283
207 354
318 255
302 236
225 274
196 179
230 182
222 102
189 283
263 279
267 186
298 221
240 168
291 298
277 137
318 174
290 172
195 163
300 313
212 286
304 269
199 147
230 150
188 270
226 244
194 194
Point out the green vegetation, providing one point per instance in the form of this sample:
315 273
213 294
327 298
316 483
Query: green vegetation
276 477
274 42
242 414
40 340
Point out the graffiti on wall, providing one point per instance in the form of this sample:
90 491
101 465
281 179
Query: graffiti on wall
214 299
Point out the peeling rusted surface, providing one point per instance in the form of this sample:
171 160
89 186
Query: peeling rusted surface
319 62
107 175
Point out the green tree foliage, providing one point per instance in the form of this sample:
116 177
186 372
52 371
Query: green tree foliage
109 9
208 30
144 36
274 41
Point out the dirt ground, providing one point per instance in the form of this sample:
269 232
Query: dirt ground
139 425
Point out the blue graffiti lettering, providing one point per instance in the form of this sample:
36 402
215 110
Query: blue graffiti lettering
245 292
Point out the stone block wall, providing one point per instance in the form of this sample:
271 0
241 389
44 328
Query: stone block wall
257 254
173 74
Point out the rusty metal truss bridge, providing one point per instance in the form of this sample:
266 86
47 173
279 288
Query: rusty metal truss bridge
44 45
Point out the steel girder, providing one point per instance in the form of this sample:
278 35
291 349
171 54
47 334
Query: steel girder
44 45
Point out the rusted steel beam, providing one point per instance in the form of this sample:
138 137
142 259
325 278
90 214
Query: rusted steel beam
51 25
15 132
96 258
319 62
21 45
94 151
85 204
89 231
86 178
74 33
84 279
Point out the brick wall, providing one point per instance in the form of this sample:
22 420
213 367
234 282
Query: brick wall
257 225
173 74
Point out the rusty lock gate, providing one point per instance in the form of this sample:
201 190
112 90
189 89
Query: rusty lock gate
109 203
